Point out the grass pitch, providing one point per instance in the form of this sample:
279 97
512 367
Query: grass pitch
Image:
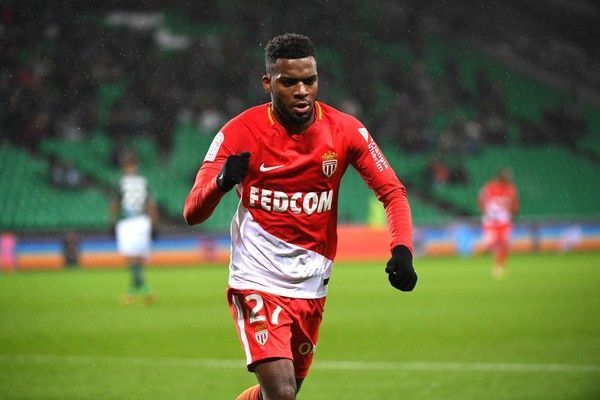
460 335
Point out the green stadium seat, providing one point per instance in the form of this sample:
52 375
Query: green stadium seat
29 202
552 181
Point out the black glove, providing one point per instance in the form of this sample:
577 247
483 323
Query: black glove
113 230
154 234
401 273
234 170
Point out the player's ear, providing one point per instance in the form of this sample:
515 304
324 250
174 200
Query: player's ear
266 83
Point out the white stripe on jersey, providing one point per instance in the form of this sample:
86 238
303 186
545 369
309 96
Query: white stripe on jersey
261 261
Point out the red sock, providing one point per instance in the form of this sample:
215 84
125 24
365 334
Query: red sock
251 393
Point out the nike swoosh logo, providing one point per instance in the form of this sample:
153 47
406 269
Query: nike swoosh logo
264 168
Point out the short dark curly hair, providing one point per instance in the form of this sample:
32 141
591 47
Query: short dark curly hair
288 45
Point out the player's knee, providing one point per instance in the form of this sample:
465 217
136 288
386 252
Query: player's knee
281 392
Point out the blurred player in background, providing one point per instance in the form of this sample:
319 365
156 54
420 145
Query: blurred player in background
134 217
71 249
286 159
498 202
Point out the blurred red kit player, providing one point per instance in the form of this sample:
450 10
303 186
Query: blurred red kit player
498 202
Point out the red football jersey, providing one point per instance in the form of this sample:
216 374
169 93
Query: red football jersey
498 201
284 234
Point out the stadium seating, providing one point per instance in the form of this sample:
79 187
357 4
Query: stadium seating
170 179
552 182
29 202
591 143
539 170
92 155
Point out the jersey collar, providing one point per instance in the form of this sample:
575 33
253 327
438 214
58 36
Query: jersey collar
318 112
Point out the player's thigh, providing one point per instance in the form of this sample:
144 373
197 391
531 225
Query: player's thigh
307 315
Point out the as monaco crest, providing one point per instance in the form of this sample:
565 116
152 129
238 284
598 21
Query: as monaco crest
261 333
262 336
329 163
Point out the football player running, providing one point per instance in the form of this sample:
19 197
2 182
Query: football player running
498 201
285 160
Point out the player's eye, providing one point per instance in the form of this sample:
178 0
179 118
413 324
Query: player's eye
288 82
310 81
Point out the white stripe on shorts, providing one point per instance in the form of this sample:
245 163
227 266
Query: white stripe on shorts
242 328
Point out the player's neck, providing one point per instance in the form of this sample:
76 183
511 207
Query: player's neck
291 127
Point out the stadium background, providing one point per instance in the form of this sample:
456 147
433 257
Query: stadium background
451 92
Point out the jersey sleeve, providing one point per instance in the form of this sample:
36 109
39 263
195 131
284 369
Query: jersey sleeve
375 170
205 194
516 205
482 198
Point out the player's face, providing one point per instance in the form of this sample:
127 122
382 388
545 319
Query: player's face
130 168
293 85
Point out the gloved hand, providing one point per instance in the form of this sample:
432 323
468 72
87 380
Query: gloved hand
234 170
401 273
154 233
113 230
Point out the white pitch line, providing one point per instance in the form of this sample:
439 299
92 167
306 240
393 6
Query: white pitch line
456 366
318 364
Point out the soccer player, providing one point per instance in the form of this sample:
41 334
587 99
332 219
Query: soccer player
134 217
285 160
499 202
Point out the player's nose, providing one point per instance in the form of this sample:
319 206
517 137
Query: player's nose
301 90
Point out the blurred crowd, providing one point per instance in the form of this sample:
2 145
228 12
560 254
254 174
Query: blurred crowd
67 73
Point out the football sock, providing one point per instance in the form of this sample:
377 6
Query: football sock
137 276
252 393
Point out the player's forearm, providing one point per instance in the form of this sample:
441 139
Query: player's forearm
398 214
114 212
203 198
152 210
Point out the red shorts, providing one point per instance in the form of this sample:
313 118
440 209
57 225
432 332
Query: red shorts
271 326
497 233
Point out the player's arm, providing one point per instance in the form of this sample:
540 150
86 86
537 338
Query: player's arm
223 167
204 196
393 196
375 170
152 211
114 212
211 185
515 206
400 270
481 199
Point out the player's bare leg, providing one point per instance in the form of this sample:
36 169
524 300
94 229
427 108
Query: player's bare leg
277 379
501 253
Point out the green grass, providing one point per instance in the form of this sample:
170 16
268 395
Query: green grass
460 335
